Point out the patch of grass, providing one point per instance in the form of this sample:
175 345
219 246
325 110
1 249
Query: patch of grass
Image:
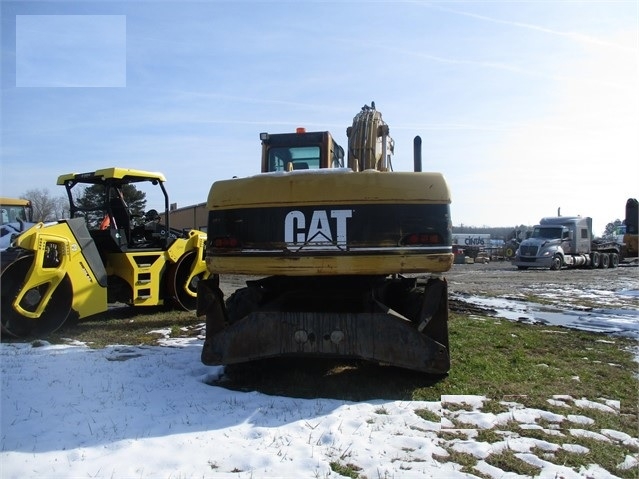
489 435
465 460
428 415
457 406
346 470
507 461
604 454
129 326
450 434
494 406
504 358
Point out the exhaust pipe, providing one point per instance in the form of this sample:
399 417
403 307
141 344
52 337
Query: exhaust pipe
417 153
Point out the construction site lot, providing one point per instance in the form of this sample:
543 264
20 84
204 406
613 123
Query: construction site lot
543 383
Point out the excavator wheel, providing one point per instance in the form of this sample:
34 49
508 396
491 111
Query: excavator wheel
243 302
184 294
55 313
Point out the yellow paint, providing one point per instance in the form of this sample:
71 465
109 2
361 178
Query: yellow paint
328 187
330 265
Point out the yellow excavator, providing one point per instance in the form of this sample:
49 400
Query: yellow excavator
345 255
104 254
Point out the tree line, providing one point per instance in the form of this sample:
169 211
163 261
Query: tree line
47 207
90 203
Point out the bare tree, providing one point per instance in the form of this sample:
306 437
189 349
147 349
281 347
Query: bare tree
46 207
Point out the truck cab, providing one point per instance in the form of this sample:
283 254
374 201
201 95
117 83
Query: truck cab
556 242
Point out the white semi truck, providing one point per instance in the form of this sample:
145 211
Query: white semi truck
566 241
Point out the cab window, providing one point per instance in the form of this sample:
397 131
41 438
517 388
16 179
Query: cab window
301 158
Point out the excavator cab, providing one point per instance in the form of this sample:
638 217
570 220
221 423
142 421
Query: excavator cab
301 150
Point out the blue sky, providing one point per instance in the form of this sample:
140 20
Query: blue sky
526 107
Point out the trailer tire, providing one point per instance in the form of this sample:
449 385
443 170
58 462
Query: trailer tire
614 260
595 260
556 263
605 260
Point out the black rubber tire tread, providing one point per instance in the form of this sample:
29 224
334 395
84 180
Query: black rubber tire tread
243 302
556 263
614 260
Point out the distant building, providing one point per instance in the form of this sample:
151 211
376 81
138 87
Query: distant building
192 217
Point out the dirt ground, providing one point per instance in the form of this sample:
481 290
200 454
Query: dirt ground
581 288
568 288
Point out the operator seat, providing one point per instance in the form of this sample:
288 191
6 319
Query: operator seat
121 217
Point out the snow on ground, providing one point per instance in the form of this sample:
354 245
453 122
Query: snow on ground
148 412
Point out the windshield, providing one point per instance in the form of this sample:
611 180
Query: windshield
11 214
301 158
547 233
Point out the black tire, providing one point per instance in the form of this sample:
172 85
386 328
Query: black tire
605 260
595 260
556 263
243 302
614 260
523 268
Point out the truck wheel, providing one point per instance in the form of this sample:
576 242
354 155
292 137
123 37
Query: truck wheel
523 268
614 260
595 260
605 261
556 263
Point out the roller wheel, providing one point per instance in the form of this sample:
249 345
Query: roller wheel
55 312
184 293
605 260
